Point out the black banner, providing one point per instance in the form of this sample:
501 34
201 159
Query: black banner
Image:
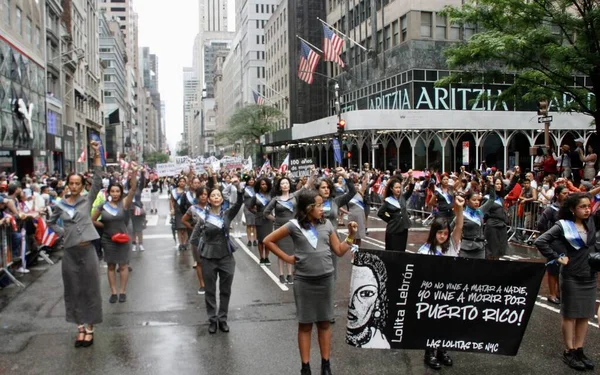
301 167
408 301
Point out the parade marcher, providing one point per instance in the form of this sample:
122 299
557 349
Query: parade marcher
315 243
442 241
137 213
283 205
175 201
257 205
576 234
340 188
442 198
216 256
496 220
395 213
357 209
472 244
153 184
113 217
546 221
191 219
249 215
80 272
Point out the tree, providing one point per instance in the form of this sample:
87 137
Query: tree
154 158
543 43
247 124
183 152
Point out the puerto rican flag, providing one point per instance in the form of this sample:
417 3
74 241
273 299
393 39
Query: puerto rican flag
284 166
81 157
12 221
44 235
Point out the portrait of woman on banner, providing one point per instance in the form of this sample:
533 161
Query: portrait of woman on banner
367 309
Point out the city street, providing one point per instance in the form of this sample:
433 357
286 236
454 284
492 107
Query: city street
162 328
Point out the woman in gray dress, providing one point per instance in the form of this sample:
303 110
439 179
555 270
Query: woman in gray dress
137 213
575 234
176 198
249 215
264 226
315 243
284 208
357 209
113 217
192 217
81 278
472 244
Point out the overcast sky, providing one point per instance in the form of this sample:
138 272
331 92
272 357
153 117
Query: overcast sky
169 28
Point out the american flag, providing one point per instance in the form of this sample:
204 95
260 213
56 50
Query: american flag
258 98
332 46
44 235
308 63
12 221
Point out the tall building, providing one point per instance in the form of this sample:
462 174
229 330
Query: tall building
191 133
149 73
22 77
213 15
113 55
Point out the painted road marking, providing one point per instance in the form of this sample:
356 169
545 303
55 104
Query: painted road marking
152 220
266 269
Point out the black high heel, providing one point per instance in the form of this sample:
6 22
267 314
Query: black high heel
85 343
81 330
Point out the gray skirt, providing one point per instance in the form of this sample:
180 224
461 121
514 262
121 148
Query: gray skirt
116 253
286 244
250 217
358 214
577 297
263 230
314 299
496 241
474 254
81 280
138 222
178 216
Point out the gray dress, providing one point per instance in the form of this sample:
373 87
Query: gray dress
313 280
80 272
356 212
115 221
176 197
264 226
284 211
249 215
197 214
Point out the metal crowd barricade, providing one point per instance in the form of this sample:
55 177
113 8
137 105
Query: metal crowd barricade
523 221
6 256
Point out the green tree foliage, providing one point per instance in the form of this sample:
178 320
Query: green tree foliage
183 152
543 43
156 158
247 124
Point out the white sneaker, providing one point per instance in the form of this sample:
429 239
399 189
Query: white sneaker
23 270
141 247
134 247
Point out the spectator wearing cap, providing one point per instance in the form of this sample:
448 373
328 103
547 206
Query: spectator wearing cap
563 162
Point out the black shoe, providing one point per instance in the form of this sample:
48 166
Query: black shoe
122 297
223 327
290 280
571 358
87 343
305 369
262 262
267 262
431 361
443 357
332 321
255 243
249 244
212 328
554 300
281 279
113 298
584 359
325 367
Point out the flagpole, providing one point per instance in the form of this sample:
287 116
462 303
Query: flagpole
313 47
344 35
261 95
275 91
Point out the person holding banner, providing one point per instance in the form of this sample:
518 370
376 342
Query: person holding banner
575 234
216 255
442 241
112 217
258 203
395 213
249 215
496 224
80 271
192 217
175 201
315 243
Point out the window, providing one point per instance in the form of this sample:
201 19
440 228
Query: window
258 72
379 41
262 8
469 31
108 93
37 39
19 22
257 24
395 33
426 18
6 11
117 9
107 78
258 39
454 32
404 28
256 8
28 33
388 37
440 27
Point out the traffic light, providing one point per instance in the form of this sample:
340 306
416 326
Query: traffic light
341 126
542 108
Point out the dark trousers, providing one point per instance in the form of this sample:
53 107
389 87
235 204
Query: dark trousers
396 241
224 269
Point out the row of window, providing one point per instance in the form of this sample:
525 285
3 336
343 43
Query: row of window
279 43
281 63
32 37
264 8
279 22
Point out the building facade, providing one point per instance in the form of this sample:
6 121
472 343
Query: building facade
191 135
22 87
397 118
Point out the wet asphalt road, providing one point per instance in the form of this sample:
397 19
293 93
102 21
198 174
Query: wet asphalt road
162 328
